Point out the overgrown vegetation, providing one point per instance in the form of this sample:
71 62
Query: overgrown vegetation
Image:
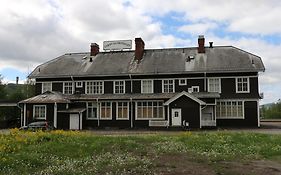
13 93
271 112
69 152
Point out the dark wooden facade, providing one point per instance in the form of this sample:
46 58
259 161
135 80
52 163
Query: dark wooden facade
185 100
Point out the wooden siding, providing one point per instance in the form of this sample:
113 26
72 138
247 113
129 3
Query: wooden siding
57 86
189 111
127 87
49 113
136 86
228 89
250 117
108 87
38 88
157 86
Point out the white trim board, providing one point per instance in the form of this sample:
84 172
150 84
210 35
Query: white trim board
187 95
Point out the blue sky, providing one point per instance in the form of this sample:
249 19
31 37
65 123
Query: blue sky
35 31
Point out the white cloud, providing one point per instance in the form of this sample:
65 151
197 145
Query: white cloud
197 28
35 31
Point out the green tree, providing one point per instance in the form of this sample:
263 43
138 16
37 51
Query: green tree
3 93
272 112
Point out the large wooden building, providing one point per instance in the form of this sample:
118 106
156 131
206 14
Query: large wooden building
193 87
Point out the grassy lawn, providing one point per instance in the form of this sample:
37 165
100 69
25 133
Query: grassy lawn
69 152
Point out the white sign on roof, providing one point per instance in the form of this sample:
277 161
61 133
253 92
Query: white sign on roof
117 45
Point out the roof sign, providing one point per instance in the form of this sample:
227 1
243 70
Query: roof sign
117 45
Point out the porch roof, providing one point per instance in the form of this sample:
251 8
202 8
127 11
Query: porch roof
189 95
48 97
139 96
73 110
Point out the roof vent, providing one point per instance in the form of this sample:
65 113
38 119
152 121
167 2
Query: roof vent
189 58
211 44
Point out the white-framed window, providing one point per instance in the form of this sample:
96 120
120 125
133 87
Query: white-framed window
193 89
79 84
119 87
230 109
122 109
92 113
182 82
214 85
168 86
147 86
68 88
242 85
46 86
147 110
39 112
105 110
94 87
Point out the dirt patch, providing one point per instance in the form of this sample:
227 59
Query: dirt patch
181 164
185 163
259 167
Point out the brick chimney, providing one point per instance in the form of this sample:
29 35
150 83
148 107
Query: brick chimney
94 49
201 44
139 49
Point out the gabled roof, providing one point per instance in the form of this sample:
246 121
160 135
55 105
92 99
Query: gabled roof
47 97
155 61
183 93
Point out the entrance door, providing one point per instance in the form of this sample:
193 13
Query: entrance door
74 121
176 117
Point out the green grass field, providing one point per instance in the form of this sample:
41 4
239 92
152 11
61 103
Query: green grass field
68 152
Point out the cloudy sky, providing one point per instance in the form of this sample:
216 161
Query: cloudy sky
35 31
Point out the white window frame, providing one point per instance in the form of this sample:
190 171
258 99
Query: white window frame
142 87
87 105
163 85
43 86
117 108
248 85
114 85
195 87
102 88
140 118
79 84
45 111
100 107
182 84
64 87
237 117
219 80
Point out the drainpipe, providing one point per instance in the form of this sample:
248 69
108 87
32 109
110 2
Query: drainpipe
205 81
98 111
21 114
73 85
130 76
131 100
